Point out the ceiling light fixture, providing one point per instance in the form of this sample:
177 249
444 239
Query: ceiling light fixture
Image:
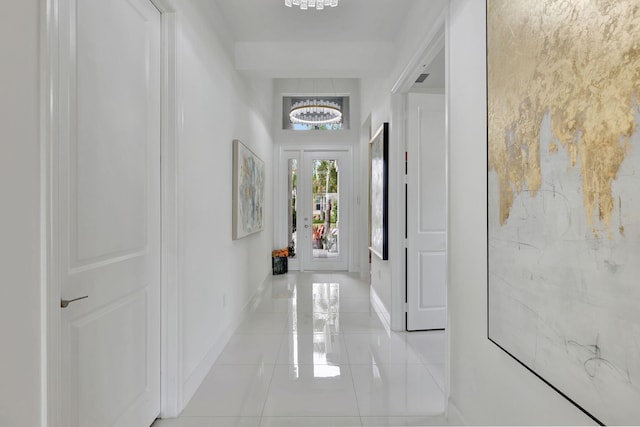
311 4
315 112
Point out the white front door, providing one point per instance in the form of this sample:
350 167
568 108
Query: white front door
108 216
426 212
323 217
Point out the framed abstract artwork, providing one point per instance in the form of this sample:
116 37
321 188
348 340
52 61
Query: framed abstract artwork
379 192
563 195
248 191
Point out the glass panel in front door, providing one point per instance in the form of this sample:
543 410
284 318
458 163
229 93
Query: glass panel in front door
292 178
325 209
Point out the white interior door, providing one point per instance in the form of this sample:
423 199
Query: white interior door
323 217
109 212
426 212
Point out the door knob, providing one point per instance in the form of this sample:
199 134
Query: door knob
306 226
64 303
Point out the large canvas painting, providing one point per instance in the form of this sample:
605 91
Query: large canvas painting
248 191
379 193
564 197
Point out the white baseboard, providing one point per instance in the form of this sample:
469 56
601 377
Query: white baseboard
380 309
454 416
200 372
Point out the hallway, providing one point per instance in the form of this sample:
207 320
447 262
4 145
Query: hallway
311 351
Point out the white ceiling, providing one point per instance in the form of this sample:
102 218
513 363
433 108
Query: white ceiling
350 21
356 39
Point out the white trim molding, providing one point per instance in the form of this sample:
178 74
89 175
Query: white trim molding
171 395
380 309
397 211
51 413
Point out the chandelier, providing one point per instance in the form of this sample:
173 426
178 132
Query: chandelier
313 4
315 112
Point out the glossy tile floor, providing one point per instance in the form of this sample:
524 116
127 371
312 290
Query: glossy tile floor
311 351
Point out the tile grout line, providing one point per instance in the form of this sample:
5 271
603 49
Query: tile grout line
355 393
271 310
273 372
353 381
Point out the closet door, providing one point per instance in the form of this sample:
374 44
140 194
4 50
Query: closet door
108 216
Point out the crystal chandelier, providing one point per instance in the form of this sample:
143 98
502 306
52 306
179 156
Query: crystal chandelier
313 4
315 112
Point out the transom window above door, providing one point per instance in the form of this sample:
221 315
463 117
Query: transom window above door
315 112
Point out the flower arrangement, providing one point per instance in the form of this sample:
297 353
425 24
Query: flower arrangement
279 261
280 253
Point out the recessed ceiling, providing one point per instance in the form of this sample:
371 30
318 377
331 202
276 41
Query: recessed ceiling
350 21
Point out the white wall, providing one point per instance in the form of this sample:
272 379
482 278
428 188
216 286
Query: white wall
416 28
362 185
19 215
487 387
216 105
376 100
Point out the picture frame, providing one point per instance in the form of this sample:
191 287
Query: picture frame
248 192
563 233
379 192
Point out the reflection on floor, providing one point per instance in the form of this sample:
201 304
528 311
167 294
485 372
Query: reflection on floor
312 352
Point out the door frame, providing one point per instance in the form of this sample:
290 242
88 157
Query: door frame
434 40
431 45
171 399
281 199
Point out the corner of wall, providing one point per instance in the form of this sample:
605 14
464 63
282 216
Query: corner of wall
454 416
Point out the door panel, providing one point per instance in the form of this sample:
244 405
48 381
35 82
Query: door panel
426 213
109 211
432 275
92 336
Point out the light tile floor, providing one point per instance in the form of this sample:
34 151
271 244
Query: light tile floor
311 351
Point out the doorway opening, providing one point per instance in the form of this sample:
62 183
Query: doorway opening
419 103
317 207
